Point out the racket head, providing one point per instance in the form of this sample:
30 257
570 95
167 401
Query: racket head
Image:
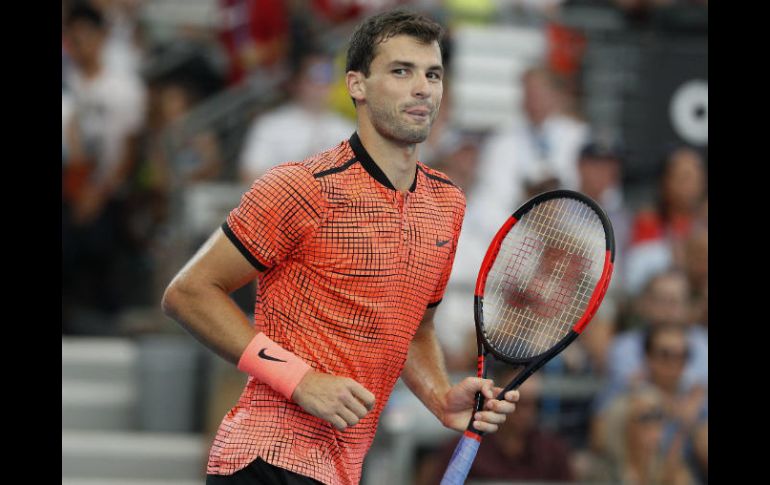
543 277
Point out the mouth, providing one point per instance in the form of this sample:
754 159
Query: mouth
419 113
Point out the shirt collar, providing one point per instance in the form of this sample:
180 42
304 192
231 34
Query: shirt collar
371 166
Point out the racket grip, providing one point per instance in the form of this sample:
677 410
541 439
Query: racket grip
462 459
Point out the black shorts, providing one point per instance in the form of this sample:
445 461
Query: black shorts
259 472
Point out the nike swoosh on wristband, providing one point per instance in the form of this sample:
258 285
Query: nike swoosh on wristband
441 243
263 355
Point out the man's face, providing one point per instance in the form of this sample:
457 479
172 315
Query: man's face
404 88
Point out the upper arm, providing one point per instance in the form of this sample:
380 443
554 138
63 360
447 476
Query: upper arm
217 263
427 323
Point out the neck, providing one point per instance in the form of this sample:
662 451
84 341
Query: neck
396 160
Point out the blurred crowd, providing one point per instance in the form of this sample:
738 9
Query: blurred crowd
125 160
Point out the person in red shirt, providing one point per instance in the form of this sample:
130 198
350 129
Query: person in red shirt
352 250
659 233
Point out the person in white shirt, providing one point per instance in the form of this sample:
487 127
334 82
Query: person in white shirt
105 107
544 146
299 128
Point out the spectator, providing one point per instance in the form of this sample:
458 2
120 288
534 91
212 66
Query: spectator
105 109
520 450
632 435
540 152
658 234
683 405
665 301
666 354
600 173
299 128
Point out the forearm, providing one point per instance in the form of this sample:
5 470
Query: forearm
425 371
211 316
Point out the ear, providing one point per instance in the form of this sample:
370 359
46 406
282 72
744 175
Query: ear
355 83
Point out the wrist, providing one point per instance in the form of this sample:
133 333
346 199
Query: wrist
272 364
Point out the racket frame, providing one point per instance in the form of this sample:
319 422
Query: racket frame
531 364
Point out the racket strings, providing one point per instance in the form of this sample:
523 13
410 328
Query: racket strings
543 277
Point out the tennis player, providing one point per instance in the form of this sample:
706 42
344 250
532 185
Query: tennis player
352 250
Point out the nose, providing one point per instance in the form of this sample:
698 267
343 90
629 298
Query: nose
421 88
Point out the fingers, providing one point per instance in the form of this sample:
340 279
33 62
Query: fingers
355 406
500 407
362 394
485 427
349 418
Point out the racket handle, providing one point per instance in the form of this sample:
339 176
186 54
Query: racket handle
462 459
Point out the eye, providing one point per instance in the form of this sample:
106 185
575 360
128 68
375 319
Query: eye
399 71
434 75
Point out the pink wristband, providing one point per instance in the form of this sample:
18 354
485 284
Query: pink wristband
273 365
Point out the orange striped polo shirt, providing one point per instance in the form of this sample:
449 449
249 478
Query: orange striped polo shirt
349 266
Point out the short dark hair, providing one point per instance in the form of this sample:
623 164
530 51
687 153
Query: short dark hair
85 12
379 28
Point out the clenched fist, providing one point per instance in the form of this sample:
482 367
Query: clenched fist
339 400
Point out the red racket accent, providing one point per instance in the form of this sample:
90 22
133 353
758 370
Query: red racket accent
489 258
598 295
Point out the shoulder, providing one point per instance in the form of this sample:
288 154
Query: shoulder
334 160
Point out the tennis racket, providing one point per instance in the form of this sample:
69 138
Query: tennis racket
542 280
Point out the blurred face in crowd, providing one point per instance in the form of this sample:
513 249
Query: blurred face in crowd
314 82
597 174
667 357
402 94
541 98
684 181
644 425
85 41
666 300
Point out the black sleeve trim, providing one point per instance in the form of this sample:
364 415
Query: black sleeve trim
434 304
241 248
341 168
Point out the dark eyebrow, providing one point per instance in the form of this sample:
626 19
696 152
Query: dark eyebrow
412 65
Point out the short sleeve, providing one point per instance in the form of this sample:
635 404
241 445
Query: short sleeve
438 294
275 215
